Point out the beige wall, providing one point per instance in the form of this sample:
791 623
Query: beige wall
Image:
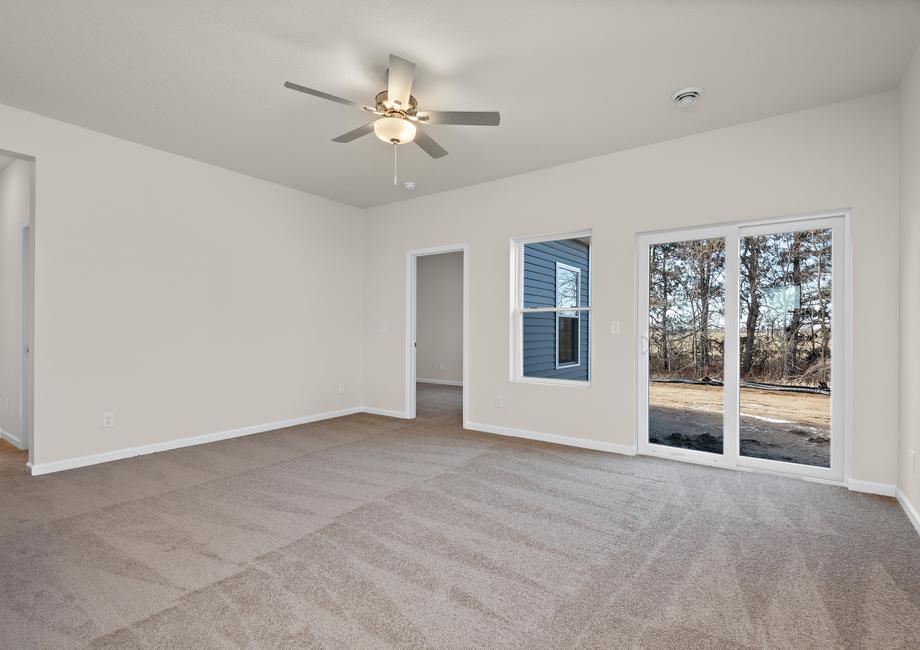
440 317
184 298
15 210
838 156
189 299
909 474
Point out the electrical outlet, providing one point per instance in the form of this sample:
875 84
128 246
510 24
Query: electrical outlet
341 389
442 367
383 328
108 420
499 401
615 328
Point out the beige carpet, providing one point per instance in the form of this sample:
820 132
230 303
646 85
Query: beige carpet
373 532
12 463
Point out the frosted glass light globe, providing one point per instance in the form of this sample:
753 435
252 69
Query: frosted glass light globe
394 130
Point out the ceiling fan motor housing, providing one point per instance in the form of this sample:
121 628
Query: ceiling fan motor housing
385 106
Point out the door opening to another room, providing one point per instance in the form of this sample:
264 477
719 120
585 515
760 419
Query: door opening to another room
16 288
436 341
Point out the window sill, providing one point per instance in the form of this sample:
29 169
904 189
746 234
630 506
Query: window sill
546 381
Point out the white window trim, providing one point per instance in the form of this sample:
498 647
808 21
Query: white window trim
516 311
577 271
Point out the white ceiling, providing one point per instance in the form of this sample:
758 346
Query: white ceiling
572 79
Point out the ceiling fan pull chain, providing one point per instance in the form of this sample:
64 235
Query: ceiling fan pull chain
395 175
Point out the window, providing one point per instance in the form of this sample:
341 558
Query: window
552 309
568 279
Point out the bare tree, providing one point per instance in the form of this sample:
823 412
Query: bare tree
750 265
785 303
795 321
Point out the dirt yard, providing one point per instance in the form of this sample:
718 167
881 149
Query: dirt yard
791 427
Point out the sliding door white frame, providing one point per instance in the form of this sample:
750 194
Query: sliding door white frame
646 241
838 221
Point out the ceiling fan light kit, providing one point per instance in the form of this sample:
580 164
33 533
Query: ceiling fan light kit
395 130
399 119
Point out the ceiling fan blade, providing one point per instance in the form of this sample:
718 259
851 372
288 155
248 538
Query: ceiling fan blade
428 144
354 134
322 95
472 118
399 81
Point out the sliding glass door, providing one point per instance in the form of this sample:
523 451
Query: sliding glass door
741 350
686 337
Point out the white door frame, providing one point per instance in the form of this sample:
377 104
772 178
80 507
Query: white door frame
412 321
839 220
25 340
26 408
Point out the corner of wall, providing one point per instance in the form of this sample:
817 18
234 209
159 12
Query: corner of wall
908 477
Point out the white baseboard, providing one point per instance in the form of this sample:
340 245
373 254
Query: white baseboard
443 382
129 452
583 443
909 508
13 440
871 487
384 412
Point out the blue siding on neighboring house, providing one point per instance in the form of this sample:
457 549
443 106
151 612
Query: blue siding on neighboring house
539 330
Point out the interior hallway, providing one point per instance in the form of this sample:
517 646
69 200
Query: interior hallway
376 532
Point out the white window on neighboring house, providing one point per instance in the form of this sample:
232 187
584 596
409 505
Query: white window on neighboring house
568 336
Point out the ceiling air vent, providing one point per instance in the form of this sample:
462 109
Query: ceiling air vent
686 96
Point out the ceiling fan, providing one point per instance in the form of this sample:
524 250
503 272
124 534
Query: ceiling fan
398 118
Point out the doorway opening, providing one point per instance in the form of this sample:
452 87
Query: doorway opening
17 182
436 343
743 345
